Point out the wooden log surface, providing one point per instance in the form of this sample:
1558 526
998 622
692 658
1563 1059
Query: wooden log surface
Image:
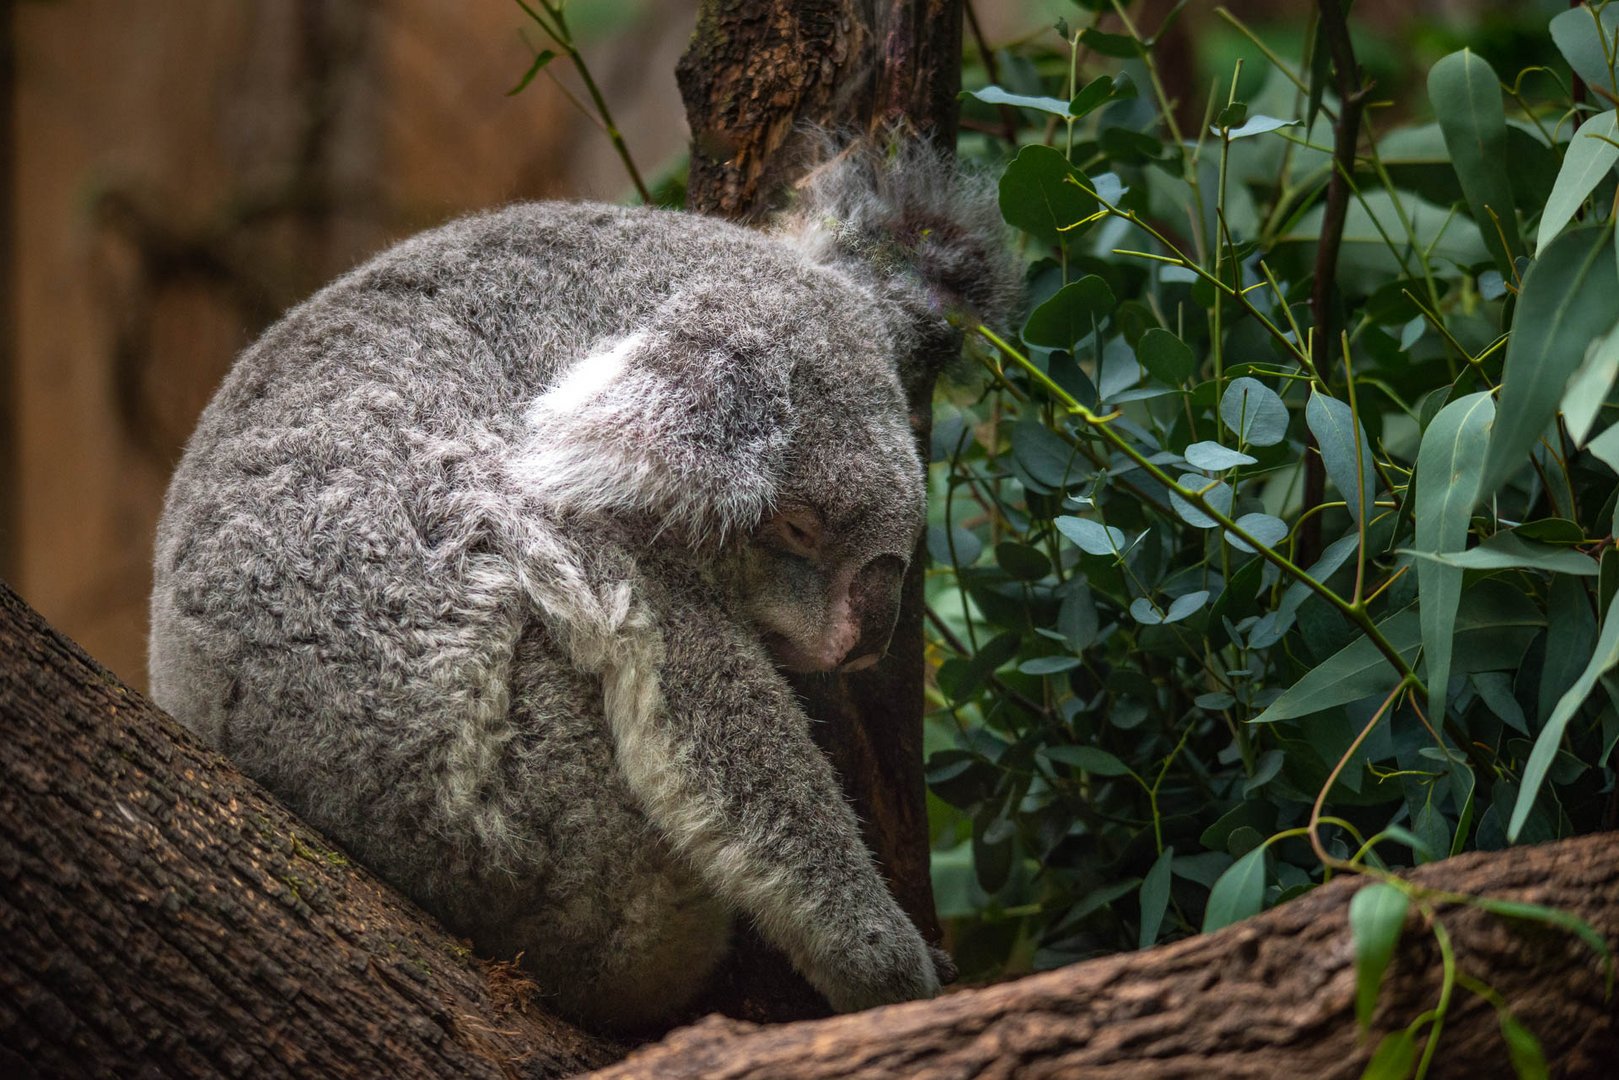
163 915
1269 997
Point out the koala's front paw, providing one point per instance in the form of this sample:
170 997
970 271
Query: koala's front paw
944 965
891 963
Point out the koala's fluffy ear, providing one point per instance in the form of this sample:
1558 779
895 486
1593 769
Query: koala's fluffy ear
929 234
686 419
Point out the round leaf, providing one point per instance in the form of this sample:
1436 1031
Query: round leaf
1254 412
1268 530
1165 356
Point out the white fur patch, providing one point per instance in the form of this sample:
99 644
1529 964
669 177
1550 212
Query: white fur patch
585 380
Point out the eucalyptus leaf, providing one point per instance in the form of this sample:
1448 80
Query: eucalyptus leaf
1165 357
1215 493
994 95
1551 736
1155 898
1264 528
1254 412
1256 125
1345 451
1508 551
1039 194
1449 465
1586 42
1566 302
1376 916
1238 894
1092 537
1073 312
1212 457
1466 98
1589 387
1587 162
1089 758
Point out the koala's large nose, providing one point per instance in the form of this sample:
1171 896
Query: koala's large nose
874 598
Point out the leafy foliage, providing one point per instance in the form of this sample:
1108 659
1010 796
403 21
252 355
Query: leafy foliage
1170 689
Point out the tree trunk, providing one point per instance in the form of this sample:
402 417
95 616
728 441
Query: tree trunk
161 914
756 72
1270 997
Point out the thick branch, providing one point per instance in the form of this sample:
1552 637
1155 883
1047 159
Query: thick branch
160 914
1273 996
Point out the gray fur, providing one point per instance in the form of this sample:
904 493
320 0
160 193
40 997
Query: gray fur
483 557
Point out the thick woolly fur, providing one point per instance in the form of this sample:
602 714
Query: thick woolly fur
461 563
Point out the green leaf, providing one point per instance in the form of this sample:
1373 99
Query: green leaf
1567 301
1092 537
1605 447
1394 1058
1043 454
1551 736
1212 457
994 95
1049 665
1579 37
1376 917
1216 493
1165 357
1588 160
1072 313
1039 193
1092 759
1268 530
541 58
1155 898
1450 462
1118 46
1494 625
1022 561
1254 412
1508 551
1099 91
1466 98
1345 451
1528 1060
1588 389
1256 125
1238 894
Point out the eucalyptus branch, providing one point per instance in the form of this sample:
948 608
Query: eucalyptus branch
1356 612
555 25
1352 93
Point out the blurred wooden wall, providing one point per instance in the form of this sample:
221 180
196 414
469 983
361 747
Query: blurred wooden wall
184 170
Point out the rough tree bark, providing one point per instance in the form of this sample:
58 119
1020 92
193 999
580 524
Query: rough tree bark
162 915
756 72
1270 997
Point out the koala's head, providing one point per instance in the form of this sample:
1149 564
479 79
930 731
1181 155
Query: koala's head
821 573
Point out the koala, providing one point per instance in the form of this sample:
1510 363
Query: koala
488 558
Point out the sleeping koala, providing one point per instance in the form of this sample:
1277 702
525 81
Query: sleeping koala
484 559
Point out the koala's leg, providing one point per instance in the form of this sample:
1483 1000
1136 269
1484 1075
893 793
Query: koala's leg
719 753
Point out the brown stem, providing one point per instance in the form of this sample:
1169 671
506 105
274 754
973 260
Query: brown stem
1346 135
